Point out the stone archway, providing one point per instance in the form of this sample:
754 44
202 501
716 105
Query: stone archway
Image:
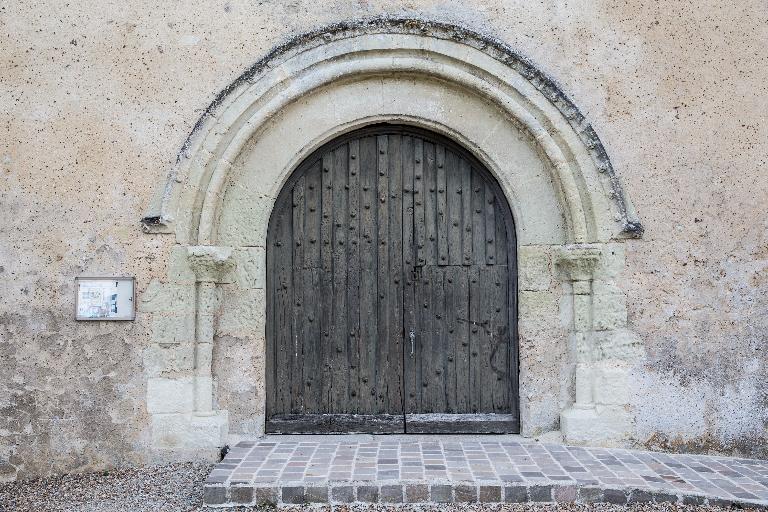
570 210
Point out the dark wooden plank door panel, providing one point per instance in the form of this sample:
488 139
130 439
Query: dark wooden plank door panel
392 280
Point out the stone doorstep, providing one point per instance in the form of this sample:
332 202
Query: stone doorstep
218 495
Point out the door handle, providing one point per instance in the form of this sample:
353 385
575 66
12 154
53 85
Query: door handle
412 336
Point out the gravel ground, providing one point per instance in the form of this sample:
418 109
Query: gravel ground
179 488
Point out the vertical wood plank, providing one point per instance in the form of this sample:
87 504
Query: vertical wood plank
475 311
368 276
442 204
282 283
383 366
490 225
485 349
478 219
499 329
409 264
419 198
466 211
312 217
461 339
338 332
501 235
353 279
454 191
430 204
395 277
312 344
452 306
437 395
297 320
319 362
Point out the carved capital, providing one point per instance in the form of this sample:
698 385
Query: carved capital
211 264
578 262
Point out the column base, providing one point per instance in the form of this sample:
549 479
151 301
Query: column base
598 425
189 431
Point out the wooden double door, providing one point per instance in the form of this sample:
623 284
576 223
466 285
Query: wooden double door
391 300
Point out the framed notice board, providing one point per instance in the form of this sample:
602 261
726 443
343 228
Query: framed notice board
105 298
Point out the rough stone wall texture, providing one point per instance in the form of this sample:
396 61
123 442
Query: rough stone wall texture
97 98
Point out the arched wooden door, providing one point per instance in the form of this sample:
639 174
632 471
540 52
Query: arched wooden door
391 291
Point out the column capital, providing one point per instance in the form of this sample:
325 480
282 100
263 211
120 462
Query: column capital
211 264
578 262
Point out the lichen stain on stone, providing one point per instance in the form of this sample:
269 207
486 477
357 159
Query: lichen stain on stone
708 444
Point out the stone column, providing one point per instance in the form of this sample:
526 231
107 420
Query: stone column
577 264
211 265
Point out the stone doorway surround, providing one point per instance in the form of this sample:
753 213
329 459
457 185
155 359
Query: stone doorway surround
570 211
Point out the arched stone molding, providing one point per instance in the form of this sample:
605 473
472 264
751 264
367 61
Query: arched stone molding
568 204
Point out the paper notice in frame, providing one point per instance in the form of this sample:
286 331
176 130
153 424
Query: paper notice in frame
105 298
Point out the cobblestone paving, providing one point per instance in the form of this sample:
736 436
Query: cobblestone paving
408 469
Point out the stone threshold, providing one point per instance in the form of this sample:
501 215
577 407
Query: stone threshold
398 469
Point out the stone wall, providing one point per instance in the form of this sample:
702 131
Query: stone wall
98 100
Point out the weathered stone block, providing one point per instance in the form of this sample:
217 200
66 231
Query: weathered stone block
251 271
189 431
534 268
170 395
167 298
159 359
620 344
179 270
173 328
536 311
610 384
245 313
609 306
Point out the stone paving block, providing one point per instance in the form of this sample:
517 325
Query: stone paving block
615 497
391 494
640 496
490 493
509 470
265 495
590 495
465 493
662 497
540 493
294 495
564 493
516 494
241 495
368 493
416 493
318 494
441 493
214 495
693 500
343 494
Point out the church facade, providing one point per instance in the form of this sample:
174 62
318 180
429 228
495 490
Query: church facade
542 221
